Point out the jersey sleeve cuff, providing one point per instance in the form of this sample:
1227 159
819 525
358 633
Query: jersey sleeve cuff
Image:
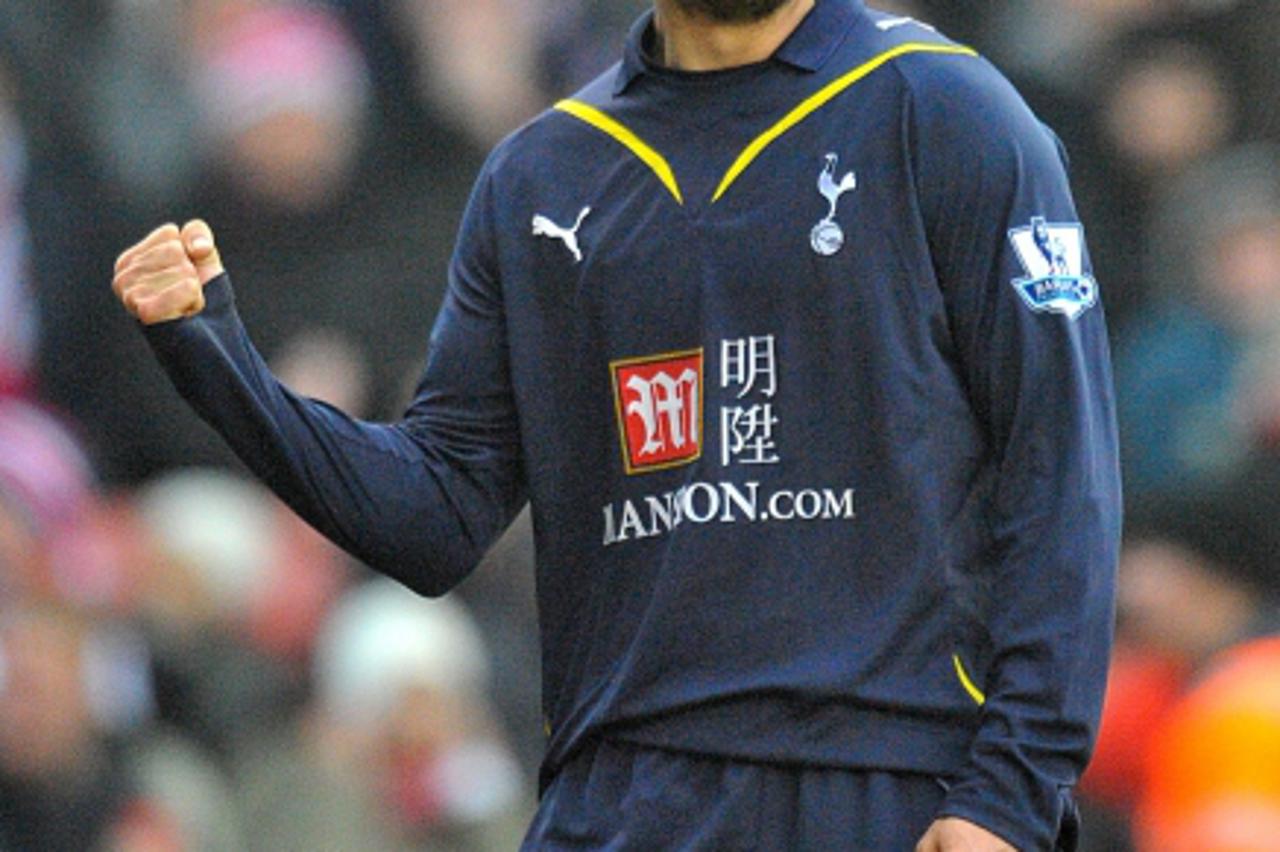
219 301
1021 827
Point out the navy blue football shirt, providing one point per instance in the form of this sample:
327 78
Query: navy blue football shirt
803 370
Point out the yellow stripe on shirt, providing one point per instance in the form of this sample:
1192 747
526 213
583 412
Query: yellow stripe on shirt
819 99
659 165
970 687
622 134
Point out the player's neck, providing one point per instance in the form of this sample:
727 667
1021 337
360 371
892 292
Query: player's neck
693 42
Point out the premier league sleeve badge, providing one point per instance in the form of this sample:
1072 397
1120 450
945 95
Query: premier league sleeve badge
1052 256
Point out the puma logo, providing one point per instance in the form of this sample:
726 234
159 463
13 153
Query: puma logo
544 227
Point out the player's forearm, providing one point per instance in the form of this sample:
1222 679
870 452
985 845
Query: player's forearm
1022 766
381 492
1040 714
1056 527
1039 722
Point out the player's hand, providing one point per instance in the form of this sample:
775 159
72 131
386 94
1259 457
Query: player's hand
951 834
162 278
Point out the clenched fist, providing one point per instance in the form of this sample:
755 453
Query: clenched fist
162 278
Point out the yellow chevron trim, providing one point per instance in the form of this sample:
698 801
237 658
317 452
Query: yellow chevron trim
967 682
618 131
819 98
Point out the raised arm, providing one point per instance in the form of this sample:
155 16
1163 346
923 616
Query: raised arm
420 499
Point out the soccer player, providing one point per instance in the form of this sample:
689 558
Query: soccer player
820 448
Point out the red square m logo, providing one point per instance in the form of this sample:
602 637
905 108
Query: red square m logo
658 399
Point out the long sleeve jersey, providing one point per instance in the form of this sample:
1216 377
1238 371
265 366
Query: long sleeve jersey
803 371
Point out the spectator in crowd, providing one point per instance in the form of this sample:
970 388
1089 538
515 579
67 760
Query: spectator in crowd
81 763
352 235
237 598
379 163
282 96
1242 35
75 201
455 42
1199 571
399 748
1198 576
1182 387
1169 105
1138 92
46 497
70 780
59 786
1212 784
1059 41
1161 105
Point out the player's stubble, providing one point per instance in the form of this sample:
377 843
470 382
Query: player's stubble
732 11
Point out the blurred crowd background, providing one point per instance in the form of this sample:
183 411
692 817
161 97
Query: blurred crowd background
186 666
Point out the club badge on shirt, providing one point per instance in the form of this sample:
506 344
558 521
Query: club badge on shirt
1052 255
827 237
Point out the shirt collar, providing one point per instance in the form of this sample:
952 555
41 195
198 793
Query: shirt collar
808 47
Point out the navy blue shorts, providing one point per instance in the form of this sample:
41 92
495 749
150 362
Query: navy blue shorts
628 797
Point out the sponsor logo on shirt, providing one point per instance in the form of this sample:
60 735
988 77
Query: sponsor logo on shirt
1052 255
658 400
699 503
